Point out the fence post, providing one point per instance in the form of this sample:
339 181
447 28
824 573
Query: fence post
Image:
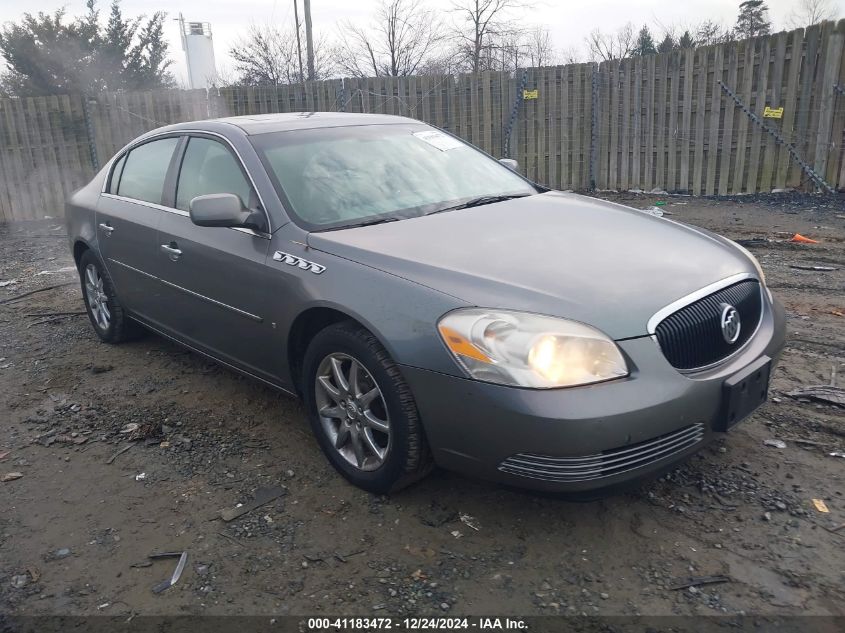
89 132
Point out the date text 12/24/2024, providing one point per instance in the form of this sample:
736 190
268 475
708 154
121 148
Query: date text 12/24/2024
416 624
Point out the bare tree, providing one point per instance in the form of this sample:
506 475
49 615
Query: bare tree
608 46
261 57
266 55
810 12
403 39
538 48
688 35
226 77
571 55
504 53
710 32
483 34
520 48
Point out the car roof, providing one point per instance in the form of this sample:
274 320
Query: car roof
286 121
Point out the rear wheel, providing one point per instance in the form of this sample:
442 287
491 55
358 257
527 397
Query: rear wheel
362 411
104 308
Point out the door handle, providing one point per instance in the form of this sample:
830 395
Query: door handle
108 228
171 250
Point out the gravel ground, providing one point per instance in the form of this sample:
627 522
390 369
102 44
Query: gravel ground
76 528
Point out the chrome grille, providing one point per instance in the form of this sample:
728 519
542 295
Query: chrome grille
691 338
606 464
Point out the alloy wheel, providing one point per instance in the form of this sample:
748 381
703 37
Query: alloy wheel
97 299
352 411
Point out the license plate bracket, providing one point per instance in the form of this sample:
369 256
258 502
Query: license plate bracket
743 392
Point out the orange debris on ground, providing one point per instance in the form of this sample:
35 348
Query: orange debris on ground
800 239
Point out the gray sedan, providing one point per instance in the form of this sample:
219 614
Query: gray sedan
428 303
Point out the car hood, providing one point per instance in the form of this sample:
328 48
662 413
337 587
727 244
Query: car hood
554 253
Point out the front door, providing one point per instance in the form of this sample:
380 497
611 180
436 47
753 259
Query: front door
214 280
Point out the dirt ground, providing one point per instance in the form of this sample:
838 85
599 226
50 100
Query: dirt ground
77 527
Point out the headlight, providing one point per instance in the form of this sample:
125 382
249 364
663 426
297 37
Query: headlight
529 350
753 261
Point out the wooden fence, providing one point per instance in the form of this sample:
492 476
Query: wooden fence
659 122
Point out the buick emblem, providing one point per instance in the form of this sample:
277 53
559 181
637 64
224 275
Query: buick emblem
730 323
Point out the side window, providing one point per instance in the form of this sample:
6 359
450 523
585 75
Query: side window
144 170
115 174
209 167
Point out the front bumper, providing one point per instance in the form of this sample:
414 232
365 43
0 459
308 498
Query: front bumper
583 438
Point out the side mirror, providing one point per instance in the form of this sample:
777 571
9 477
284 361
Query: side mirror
221 209
510 163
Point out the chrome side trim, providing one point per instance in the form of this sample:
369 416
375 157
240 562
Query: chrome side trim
673 307
143 203
133 269
252 232
133 144
220 304
661 314
212 357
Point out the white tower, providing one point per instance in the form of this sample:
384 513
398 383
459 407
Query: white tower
199 53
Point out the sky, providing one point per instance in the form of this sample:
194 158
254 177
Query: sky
568 21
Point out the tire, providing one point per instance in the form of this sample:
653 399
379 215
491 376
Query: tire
110 324
338 428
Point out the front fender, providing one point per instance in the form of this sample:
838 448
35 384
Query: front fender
402 314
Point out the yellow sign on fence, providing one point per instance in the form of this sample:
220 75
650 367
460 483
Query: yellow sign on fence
773 113
529 94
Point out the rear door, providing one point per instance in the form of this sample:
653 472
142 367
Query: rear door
214 280
128 214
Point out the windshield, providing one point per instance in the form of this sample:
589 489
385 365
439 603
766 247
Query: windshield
340 177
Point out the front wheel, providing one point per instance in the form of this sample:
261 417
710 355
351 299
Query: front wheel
362 411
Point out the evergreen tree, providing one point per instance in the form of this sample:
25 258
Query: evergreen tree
147 61
753 19
667 45
89 29
645 43
686 41
47 54
116 40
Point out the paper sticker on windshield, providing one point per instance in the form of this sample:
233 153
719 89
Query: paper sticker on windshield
441 141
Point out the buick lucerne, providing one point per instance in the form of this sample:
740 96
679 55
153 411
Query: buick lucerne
428 303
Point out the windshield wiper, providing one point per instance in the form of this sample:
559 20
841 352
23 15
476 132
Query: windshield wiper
479 201
376 221
364 223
